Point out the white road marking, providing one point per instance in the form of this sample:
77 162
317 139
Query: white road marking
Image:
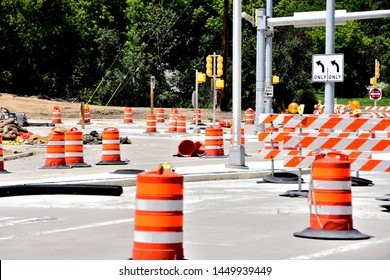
71 228
26 221
342 249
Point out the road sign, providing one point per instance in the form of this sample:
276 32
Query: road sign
269 91
375 93
327 68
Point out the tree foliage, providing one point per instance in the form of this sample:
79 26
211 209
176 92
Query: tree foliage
105 51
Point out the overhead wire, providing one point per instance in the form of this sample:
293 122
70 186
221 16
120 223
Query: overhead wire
117 91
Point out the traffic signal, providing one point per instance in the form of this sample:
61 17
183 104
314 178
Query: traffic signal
209 65
373 81
201 77
219 84
219 66
275 79
377 69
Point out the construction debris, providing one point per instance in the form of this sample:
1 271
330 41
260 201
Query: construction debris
10 129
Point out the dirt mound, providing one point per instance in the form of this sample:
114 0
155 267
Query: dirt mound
35 107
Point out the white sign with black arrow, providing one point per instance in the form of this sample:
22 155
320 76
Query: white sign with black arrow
328 68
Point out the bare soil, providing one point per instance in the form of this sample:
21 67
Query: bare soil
35 107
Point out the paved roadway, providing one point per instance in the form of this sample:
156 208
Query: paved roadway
223 219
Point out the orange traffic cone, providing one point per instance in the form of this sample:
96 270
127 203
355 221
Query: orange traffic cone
55 150
111 154
330 199
158 222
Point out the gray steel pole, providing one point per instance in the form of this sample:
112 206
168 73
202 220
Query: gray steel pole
268 58
329 49
260 71
196 128
237 151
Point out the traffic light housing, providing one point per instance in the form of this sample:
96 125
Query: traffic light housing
209 65
201 77
373 81
219 84
275 79
219 65
377 69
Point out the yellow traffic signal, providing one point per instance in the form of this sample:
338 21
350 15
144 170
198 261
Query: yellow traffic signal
201 77
219 65
377 69
209 65
373 81
219 84
275 79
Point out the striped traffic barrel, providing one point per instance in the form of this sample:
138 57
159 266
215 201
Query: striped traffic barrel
1 155
242 135
249 116
174 112
226 122
56 115
111 154
158 221
330 199
199 116
55 150
151 123
214 141
160 115
172 124
74 148
181 124
128 115
87 115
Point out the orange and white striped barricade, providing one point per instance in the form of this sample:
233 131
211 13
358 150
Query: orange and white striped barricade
214 142
194 116
158 220
87 115
338 143
330 200
111 154
376 108
74 148
181 124
249 116
160 115
151 124
55 150
226 123
172 124
2 170
128 115
56 115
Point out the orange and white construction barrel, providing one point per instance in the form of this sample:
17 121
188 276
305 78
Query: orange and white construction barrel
242 136
172 124
87 115
74 148
249 116
151 124
214 142
199 116
158 219
160 115
128 115
2 156
330 199
55 150
111 154
181 124
56 115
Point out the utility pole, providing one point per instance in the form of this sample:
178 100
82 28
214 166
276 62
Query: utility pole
225 52
268 57
329 49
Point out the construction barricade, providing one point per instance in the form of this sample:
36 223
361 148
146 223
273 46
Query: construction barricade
151 124
249 116
55 150
111 154
330 199
128 115
214 142
74 148
158 222
56 115
2 170
160 115
181 124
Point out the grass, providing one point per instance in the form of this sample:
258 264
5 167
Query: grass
364 101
